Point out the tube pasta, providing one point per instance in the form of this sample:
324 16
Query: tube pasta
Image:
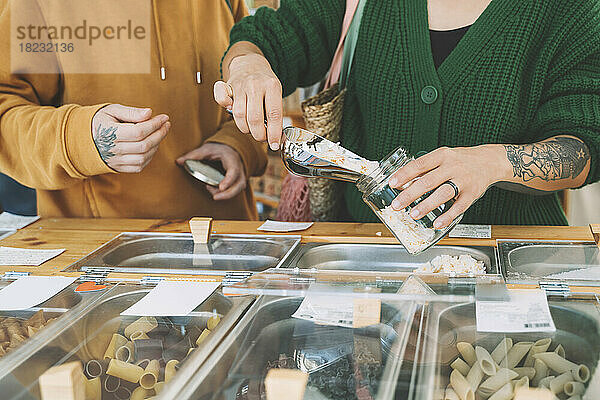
555 362
540 346
140 393
475 376
574 388
150 377
122 393
111 383
541 371
505 393
450 394
515 354
461 366
202 337
501 350
467 351
144 324
529 372
139 335
521 383
545 382
557 384
461 386
125 371
159 386
212 322
495 382
170 369
485 361
560 350
93 389
115 342
125 352
95 368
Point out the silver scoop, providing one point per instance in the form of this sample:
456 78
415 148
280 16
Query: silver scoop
301 162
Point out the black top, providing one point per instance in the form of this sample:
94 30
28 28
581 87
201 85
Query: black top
443 42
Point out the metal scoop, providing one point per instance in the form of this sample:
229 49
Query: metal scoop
300 161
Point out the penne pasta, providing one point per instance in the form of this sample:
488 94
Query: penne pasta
170 369
560 350
93 389
521 383
574 388
555 362
111 383
140 393
461 386
529 372
541 371
143 324
485 361
115 342
128 372
202 337
557 385
460 366
545 382
495 382
505 393
468 352
150 377
475 376
540 346
125 352
501 350
515 355
450 394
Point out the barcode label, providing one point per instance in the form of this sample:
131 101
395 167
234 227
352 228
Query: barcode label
538 325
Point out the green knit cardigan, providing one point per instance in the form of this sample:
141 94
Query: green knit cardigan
526 70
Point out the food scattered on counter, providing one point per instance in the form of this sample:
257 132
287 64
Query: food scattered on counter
413 236
14 331
139 359
446 264
509 367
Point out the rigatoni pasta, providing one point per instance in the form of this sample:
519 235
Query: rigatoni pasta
467 352
461 366
123 370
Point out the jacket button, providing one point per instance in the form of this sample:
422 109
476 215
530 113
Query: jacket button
429 94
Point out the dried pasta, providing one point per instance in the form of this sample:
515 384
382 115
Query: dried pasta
93 389
505 393
574 388
468 352
170 369
515 354
111 383
495 382
540 346
450 394
143 324
541 371
461 366
115 342
557 385
126 371
485 361
560 350
529 372
212 322
202 337
521 383
475 376
555 362
461 386
150 377
159 386
139 393
125 352
501 350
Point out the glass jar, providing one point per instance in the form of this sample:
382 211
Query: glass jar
415 236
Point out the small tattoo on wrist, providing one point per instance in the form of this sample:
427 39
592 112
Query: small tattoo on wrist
105 141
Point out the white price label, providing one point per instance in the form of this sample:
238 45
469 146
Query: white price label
471 231
526 311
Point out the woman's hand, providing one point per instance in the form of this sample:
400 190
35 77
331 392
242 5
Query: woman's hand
253 93
472 169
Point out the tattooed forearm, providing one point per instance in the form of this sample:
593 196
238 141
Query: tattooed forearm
559 158
105 141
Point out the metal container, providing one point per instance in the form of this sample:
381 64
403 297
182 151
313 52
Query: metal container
176 253
534 261
268 337
577 329
380 257
85 336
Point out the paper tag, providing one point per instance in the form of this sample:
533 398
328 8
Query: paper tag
471 231
32 257
526 311
29 291
172 299
12 221
366 312
326 310
278 226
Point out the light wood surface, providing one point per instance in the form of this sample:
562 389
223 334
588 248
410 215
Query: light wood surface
82 236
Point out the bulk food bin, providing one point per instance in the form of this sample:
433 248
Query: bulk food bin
85 337
231 257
